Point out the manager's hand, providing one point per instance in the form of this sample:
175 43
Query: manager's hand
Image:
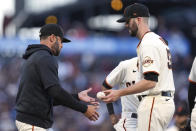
83 96
91 113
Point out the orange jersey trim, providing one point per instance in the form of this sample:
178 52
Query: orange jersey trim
124 125
163 41
151 113
142 38
191 81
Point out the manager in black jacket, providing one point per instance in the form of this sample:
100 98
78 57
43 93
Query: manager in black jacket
40 89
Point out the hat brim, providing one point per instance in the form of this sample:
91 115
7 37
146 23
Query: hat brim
121 20
65 40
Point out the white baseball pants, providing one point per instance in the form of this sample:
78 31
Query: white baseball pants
126 123
27 127
193 119
155 113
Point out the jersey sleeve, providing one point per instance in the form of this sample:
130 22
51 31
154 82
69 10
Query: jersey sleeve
150 59
192 76
116 76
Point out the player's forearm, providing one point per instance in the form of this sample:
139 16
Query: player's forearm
141 86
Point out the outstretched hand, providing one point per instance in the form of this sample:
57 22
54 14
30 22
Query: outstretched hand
83 96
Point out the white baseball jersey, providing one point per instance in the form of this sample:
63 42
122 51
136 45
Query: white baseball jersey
125 75
154 56
192 76
192 79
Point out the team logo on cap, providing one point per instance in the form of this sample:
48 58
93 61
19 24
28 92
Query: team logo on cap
147 61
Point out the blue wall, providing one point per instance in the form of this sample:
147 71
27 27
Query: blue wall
95 45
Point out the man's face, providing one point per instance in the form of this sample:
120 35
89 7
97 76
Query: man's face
56 46
132 26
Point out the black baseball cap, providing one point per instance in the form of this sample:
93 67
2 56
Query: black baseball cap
55 29
133 11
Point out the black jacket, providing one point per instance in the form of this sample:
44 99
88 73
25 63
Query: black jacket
39 87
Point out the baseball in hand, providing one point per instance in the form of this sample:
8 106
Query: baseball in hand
100 95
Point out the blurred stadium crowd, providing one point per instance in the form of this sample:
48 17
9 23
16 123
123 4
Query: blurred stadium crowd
79 71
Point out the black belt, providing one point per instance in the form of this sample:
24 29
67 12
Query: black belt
163 93
140 97
166 93
134 115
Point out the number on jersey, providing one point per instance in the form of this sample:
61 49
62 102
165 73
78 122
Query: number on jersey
129 84
169 63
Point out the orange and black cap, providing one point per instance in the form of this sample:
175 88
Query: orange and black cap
133 11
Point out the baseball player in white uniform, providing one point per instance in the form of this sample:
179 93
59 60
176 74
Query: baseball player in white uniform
157 107
124 75
192 95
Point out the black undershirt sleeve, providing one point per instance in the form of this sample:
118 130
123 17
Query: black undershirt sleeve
151 76
106 85
191 95
62 97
